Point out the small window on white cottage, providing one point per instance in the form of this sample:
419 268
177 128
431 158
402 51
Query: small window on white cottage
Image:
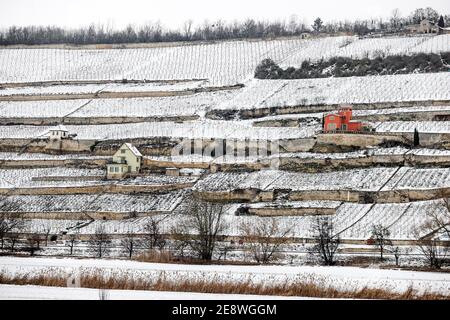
122 150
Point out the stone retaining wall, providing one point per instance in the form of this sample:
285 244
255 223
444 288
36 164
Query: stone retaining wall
95 189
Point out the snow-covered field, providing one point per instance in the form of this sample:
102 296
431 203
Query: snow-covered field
45 156
346 278
195 104
41 178
351 220
61 89
152 107
409 126
140 203
371 179
30 177
349 90
224 62
191 130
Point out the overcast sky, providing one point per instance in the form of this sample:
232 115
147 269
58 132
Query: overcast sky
172 13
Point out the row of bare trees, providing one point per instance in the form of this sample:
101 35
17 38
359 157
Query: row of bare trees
11 233
204 224
217 30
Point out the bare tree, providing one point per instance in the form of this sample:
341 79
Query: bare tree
33 242
9 222
13 238
438 220
380 236
398 252
153 237
427 234
433 252
71 242
395 18
204 223
326 242
128 244
265 238
181 240
100 242
187 29
46 228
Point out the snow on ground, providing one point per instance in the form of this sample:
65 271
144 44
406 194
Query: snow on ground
126 203
347 90
191 130
49 157
39 109
61 89
223 62
36 178
352 220
387 111
15 292
30 177
338 277
353 47
153 106
371 179
409 126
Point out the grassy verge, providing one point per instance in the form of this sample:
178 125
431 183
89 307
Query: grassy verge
307 288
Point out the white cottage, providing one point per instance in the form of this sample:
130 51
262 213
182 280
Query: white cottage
59 132
126 161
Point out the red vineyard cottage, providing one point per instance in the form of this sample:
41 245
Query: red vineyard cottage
342 121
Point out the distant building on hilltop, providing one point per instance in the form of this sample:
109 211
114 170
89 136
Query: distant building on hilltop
342 121
425 26
126 161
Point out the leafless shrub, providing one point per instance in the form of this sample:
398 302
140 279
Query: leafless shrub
437 224
380 236
264 239
72 238
153 237
10 222
326 243
100 242
433 252
33 243
203 224
128 244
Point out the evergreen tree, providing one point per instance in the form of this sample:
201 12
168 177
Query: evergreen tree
268 69
318 24
416 137
441 22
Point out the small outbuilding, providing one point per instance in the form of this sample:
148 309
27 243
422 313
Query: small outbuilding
126 161
58 133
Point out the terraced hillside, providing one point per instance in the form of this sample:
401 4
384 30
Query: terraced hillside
208 130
